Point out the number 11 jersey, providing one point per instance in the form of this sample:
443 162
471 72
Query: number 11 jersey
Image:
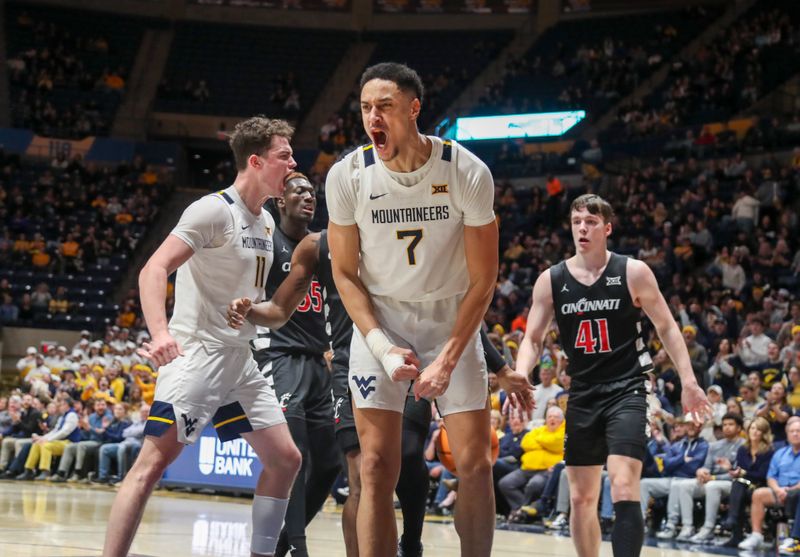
411 225
599 326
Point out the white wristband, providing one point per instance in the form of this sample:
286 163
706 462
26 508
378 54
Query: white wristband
380 346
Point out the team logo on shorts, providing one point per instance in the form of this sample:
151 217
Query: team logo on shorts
438 188
284 400
336 407
364 384
614 281
188 424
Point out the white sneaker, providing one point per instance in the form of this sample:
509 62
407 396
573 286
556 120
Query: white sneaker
752 542
787 543
558 523
704 535
686 533
668 532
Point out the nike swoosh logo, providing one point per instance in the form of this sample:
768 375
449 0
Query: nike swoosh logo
245 227
374 197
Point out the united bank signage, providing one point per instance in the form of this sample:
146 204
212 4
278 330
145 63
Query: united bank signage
210 463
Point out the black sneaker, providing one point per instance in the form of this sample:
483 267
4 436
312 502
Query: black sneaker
404 552
26 476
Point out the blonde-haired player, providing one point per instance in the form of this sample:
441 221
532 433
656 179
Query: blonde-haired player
221 248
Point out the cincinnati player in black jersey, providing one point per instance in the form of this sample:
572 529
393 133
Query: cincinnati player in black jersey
596 297
312 259
292 358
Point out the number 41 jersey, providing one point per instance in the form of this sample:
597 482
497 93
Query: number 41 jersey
411 225
600 328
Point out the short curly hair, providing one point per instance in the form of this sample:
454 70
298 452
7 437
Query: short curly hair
254 136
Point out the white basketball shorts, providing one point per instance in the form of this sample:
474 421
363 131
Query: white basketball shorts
423 327
218 384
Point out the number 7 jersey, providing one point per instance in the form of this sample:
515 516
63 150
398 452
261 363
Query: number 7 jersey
599 327
412 236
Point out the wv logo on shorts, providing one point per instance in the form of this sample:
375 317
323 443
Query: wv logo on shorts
365 384
189 424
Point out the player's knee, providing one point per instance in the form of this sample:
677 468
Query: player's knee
583 500
477 467
377 470
147 471
288 459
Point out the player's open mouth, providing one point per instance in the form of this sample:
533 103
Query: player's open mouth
308 209
379 139
583 240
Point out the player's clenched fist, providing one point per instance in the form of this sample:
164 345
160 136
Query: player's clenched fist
161 350
432 382
237 312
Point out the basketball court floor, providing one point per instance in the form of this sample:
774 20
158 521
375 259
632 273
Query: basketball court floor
44 520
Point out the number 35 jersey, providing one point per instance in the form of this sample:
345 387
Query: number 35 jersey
232 258
305 330
411 225
599 326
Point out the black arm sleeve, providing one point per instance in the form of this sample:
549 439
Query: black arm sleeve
494 361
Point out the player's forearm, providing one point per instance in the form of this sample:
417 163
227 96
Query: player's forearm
676 348
267 314
470 313
153 289
356 301
528 356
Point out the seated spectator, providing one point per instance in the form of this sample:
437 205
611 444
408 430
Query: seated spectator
24 424
783 486
776 411
680 459
712 481
53 443
718 412
542 448
9 311
59 303
754 347
749 471
722 371
544 391
83 451
508 458
27 362
749 400
113 438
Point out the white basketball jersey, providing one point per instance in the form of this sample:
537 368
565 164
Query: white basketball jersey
412 237
234 265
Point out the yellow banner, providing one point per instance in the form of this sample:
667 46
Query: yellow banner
50 147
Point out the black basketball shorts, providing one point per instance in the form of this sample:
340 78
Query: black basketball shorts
302 386
606 419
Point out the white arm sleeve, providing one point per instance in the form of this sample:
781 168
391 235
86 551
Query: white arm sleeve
340 193
206 223
478 191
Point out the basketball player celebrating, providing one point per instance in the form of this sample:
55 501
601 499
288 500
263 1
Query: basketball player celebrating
596 297
413 241
312 259
222 245
292 358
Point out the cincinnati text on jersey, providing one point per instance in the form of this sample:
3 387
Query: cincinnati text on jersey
249 242
411 214
583 306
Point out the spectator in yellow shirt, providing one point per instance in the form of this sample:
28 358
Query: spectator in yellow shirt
543 448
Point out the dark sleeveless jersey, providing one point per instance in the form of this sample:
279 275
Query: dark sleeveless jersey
600 328
305 330
340 326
